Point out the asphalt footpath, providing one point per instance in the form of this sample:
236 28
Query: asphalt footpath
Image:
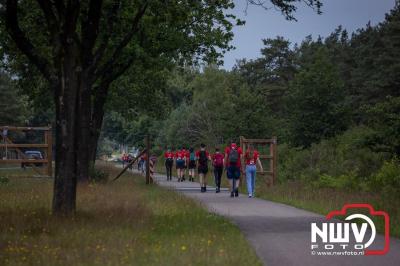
280 234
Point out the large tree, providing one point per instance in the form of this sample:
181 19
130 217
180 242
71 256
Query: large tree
81 47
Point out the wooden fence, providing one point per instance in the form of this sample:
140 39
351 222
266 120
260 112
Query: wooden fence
268 154
17 152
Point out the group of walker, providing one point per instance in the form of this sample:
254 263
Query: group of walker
230 161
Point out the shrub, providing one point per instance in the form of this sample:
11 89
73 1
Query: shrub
344 182
344 161
98 176
4 180
387 179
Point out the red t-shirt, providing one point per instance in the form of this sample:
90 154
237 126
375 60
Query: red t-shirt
169 155
251 160
187 155
218 157
180 155
228 150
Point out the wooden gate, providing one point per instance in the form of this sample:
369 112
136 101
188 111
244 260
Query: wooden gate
268 154
7 145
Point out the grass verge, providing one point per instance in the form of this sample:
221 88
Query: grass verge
325 200
120 223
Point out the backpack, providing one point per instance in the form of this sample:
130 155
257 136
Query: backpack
203 158
233 156
219 161
192 156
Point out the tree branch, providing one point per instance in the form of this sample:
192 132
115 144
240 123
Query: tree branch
23 43
110 21
109 65
90 30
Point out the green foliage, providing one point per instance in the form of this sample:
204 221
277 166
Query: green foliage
106 147
387 180
4 180
332 162
349 182
385 119
13 107
98 175
317 107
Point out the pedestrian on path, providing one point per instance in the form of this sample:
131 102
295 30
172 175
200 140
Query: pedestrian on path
252 158
202 158
218 164
192 164
187 154
233 157
180 164
169 162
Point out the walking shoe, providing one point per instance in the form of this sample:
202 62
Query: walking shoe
236 193
232 194
217 190
250 196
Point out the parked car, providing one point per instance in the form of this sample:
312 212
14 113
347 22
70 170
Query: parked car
32 155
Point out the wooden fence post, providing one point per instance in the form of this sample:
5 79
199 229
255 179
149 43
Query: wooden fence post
48 138
147 159
274 154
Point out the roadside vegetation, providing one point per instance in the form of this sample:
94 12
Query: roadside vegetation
117 223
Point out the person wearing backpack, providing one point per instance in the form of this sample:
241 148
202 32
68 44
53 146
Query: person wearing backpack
252 158
218 164
192 164
233 157
169 162
202 158
185 166
180 164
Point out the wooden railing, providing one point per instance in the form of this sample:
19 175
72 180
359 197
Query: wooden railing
47 146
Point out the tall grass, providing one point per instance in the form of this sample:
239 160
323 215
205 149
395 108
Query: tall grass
324 200
120 223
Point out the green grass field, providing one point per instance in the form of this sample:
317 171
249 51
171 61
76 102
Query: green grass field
120 223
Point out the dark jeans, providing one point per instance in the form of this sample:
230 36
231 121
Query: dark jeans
168 166
217 175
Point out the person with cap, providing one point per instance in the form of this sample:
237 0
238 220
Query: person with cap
233 157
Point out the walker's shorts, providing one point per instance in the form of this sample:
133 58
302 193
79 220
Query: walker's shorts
180 164
233 172
202 169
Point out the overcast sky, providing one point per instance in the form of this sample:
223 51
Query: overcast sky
261 24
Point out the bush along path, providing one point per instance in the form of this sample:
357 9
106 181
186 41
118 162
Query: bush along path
280 234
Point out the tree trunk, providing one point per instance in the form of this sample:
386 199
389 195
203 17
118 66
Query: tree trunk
66 98
97 119
83 132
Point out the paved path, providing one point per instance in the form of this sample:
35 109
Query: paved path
279 233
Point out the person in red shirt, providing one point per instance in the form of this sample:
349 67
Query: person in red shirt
169 162
187 154
252 158
233 157
180 164
218 164
202 158
191 159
